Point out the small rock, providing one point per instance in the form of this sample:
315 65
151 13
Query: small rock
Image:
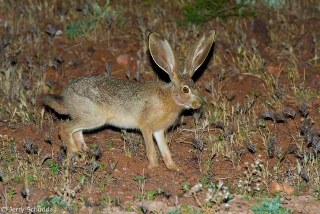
281 187
123 59
274 70
28 128
58 32
288 189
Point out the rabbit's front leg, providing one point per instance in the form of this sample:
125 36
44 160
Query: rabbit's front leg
151 150
165 152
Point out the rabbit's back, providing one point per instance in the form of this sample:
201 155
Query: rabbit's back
119 94
104 89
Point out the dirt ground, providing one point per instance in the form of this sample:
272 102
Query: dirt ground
257 133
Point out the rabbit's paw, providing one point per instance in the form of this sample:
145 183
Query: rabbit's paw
153 165
82 156
78 156
173 166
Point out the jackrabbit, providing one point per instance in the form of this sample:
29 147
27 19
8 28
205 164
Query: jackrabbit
94 101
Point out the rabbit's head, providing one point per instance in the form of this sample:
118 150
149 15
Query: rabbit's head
185 92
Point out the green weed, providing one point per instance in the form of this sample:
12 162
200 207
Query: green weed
54 167
270 206
52 202
201 11
139 178
11 193
79 28
110 143
150 195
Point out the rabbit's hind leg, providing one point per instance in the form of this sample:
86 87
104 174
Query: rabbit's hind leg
71 131
79 141
66 137
74 140
85 115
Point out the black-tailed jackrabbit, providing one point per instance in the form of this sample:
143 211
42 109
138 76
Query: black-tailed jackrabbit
152 107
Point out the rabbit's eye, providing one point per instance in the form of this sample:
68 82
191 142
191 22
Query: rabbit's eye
185 89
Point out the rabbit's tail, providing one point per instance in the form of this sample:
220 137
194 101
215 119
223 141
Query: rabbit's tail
55 102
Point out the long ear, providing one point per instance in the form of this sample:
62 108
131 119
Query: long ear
198 53
162 54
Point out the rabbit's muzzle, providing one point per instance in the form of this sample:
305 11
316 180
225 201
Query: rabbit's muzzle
196 103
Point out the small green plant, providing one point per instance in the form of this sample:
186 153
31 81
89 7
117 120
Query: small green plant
101 185
138 195
82 179
201 11
203 180
122 22
78 28
296 192
54 167
104 199
51 202
276 4
273 206
110 143
30 178
100 165
11 193
159 191
81 27
185 186
58 201
93 146
184 209
150 195
74 207
82 198
9 157
175 211
128 209
107 200
261 123
139 178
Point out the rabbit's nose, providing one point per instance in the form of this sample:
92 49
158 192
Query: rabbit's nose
196 103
